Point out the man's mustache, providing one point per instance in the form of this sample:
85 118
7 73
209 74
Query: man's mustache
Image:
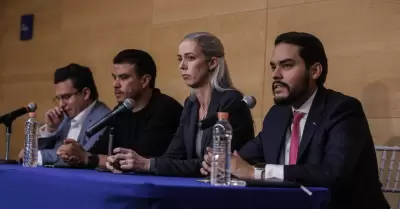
280 83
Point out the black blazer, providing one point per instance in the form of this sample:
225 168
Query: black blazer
336 150
180 158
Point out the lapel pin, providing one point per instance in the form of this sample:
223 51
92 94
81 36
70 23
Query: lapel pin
314 123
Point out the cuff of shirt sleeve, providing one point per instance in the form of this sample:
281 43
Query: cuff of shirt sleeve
152 165
274 171
43 133
39 159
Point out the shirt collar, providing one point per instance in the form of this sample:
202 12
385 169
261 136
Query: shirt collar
81 117
305 108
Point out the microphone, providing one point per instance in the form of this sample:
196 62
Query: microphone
126 106
249 101
9 117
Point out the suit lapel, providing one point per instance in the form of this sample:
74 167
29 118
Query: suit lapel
192 127
275 136
82 139
213 108
312 122
65 128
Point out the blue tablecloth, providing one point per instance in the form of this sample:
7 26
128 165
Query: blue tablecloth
58 188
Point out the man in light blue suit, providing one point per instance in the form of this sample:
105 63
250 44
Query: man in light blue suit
77 109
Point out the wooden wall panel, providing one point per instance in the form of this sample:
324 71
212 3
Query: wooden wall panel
102 17
26 58
47 14
280 3
360 40
178 10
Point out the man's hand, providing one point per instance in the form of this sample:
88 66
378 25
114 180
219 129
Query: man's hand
113 167
72 153
127 160
53 119
239 167
206 164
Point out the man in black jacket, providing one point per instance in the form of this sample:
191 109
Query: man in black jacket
148 129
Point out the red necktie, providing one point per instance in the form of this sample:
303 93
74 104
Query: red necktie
295 138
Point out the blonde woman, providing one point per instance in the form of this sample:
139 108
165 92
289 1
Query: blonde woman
204 69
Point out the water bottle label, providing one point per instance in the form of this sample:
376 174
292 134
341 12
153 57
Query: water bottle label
220 173
220 165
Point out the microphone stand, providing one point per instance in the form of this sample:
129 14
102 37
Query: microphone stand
110 146
8 125
110 140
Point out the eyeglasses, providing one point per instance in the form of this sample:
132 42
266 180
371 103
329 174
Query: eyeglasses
64 97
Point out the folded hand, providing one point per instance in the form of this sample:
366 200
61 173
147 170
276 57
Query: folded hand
127 160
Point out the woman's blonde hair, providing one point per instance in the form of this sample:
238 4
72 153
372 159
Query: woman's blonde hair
211 46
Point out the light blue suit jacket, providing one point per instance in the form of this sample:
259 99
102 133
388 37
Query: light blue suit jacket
48 146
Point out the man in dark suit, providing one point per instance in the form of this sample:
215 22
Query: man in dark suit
312 135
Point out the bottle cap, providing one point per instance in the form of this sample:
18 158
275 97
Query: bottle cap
223 115
32 114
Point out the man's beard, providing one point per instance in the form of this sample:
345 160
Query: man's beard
294 95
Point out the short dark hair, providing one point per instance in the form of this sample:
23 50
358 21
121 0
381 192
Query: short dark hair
80 76
311 50
142 60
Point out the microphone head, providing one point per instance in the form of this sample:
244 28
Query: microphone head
32 107
250 101
128 103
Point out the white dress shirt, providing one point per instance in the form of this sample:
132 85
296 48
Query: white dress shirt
276 171
74 130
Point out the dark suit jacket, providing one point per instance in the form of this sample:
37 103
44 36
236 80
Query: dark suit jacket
180 158
49 145
336 150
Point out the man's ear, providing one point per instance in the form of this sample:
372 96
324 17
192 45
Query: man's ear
145 80
86 93
316 70
213 63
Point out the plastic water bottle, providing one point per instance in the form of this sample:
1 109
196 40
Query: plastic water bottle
31 141
221 157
